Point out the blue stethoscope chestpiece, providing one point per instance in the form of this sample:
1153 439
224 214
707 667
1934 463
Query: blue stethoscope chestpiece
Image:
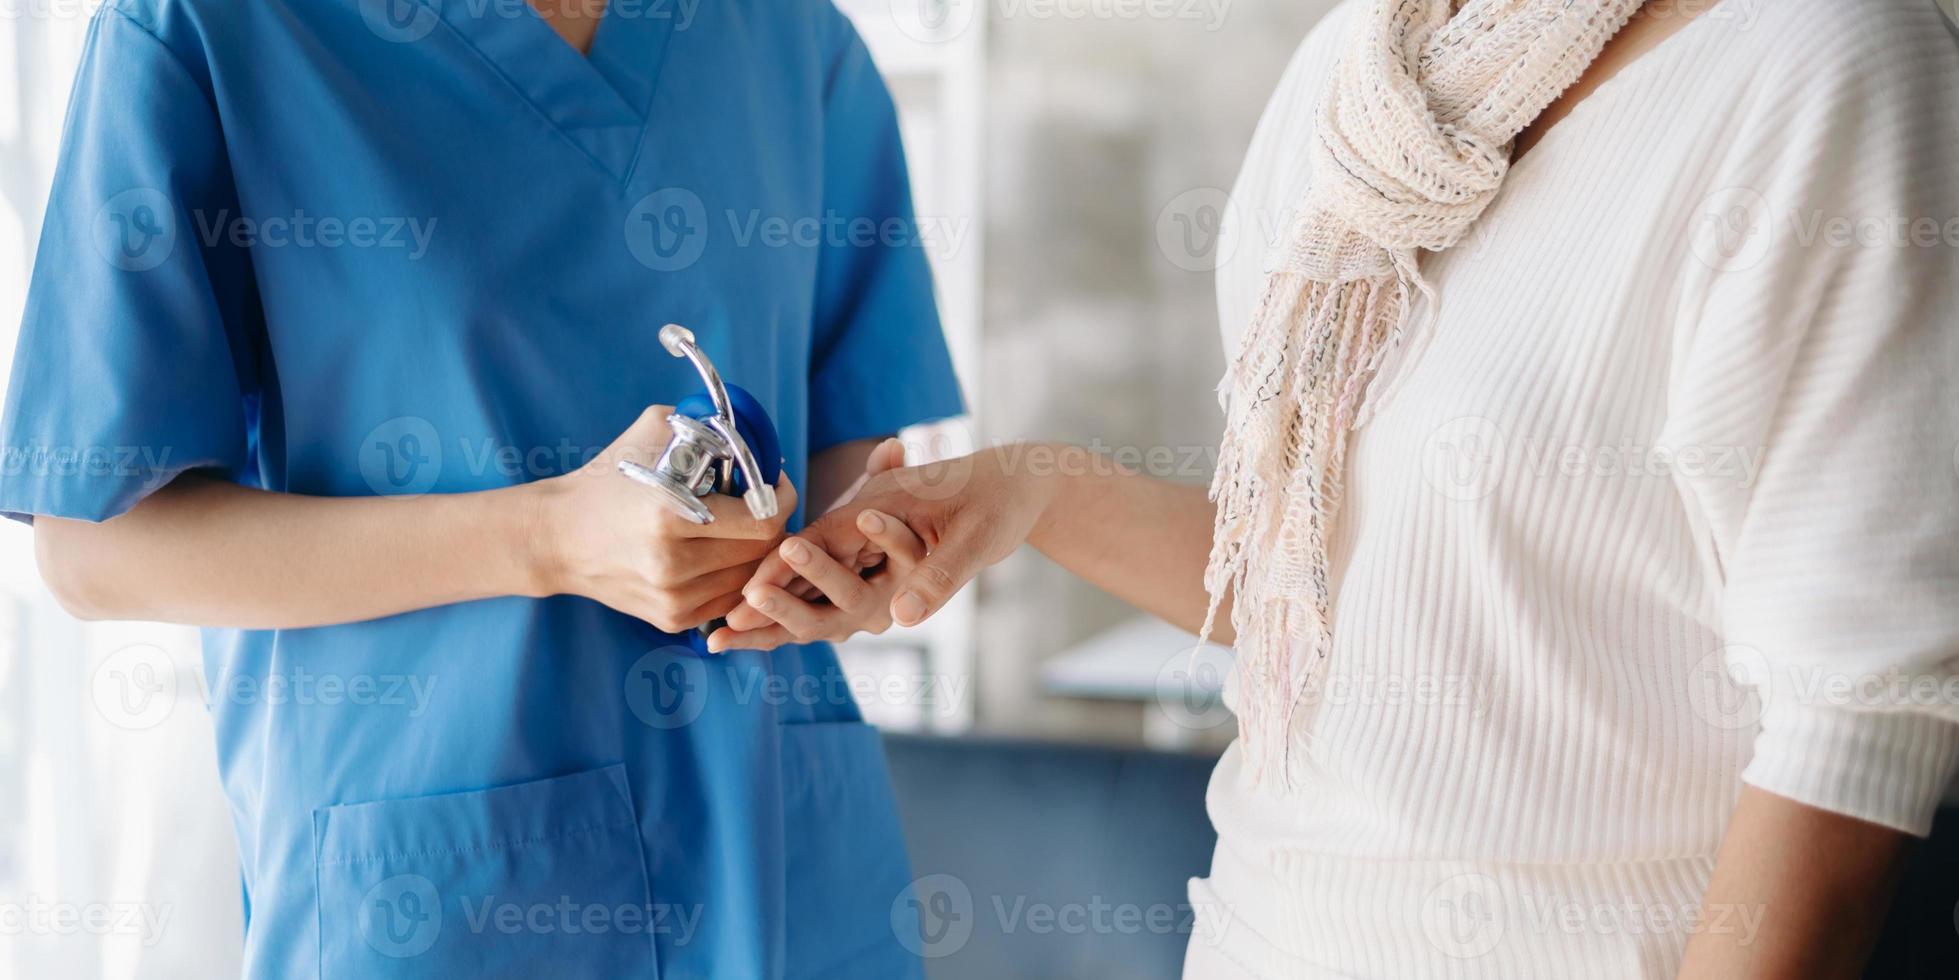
713 447
723 442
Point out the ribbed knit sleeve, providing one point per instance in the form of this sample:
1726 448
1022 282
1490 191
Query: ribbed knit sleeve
1828 341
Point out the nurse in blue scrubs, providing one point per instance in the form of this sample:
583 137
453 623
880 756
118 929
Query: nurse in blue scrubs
342 312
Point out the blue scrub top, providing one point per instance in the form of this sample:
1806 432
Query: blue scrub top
360 247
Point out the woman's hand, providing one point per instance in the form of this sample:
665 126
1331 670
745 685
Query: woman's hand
886 455
832 601
609 539
965 514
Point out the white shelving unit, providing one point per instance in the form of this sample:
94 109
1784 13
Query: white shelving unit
933 56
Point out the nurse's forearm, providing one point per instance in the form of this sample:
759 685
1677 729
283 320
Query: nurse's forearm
1142 539
207 552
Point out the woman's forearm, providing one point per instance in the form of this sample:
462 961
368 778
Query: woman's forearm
1816 885
207 552
1144 540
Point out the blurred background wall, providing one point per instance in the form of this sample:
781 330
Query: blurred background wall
1073 138
1102 134
117 857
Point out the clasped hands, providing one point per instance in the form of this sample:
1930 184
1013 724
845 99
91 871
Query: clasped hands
894 552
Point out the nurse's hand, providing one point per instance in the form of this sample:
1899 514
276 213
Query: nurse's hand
609 539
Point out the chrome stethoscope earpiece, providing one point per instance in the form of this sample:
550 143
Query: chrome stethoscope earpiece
709 453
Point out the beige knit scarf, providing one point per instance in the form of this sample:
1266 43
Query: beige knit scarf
1413 140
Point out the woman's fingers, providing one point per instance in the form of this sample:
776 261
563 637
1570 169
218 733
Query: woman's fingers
774 570
830 534
902 549
889 455
804 621
855 603
745 618
844 588
762 638
930 585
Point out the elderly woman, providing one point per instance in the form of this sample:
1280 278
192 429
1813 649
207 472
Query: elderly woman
1606 363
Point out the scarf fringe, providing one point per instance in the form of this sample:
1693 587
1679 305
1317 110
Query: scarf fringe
1306 367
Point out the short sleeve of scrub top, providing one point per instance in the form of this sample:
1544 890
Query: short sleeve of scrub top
400 247
137 348
873 288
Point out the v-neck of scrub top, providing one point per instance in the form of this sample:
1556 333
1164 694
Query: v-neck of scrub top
598 99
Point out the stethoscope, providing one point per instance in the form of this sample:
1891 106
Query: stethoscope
723 442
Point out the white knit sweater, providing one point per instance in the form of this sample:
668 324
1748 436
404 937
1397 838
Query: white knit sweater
1688 412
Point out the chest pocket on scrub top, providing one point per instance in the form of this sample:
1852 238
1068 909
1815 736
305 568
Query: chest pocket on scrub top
536 879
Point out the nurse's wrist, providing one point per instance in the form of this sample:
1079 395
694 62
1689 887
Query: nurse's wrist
526 524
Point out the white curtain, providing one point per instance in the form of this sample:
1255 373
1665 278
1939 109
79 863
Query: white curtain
117 858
